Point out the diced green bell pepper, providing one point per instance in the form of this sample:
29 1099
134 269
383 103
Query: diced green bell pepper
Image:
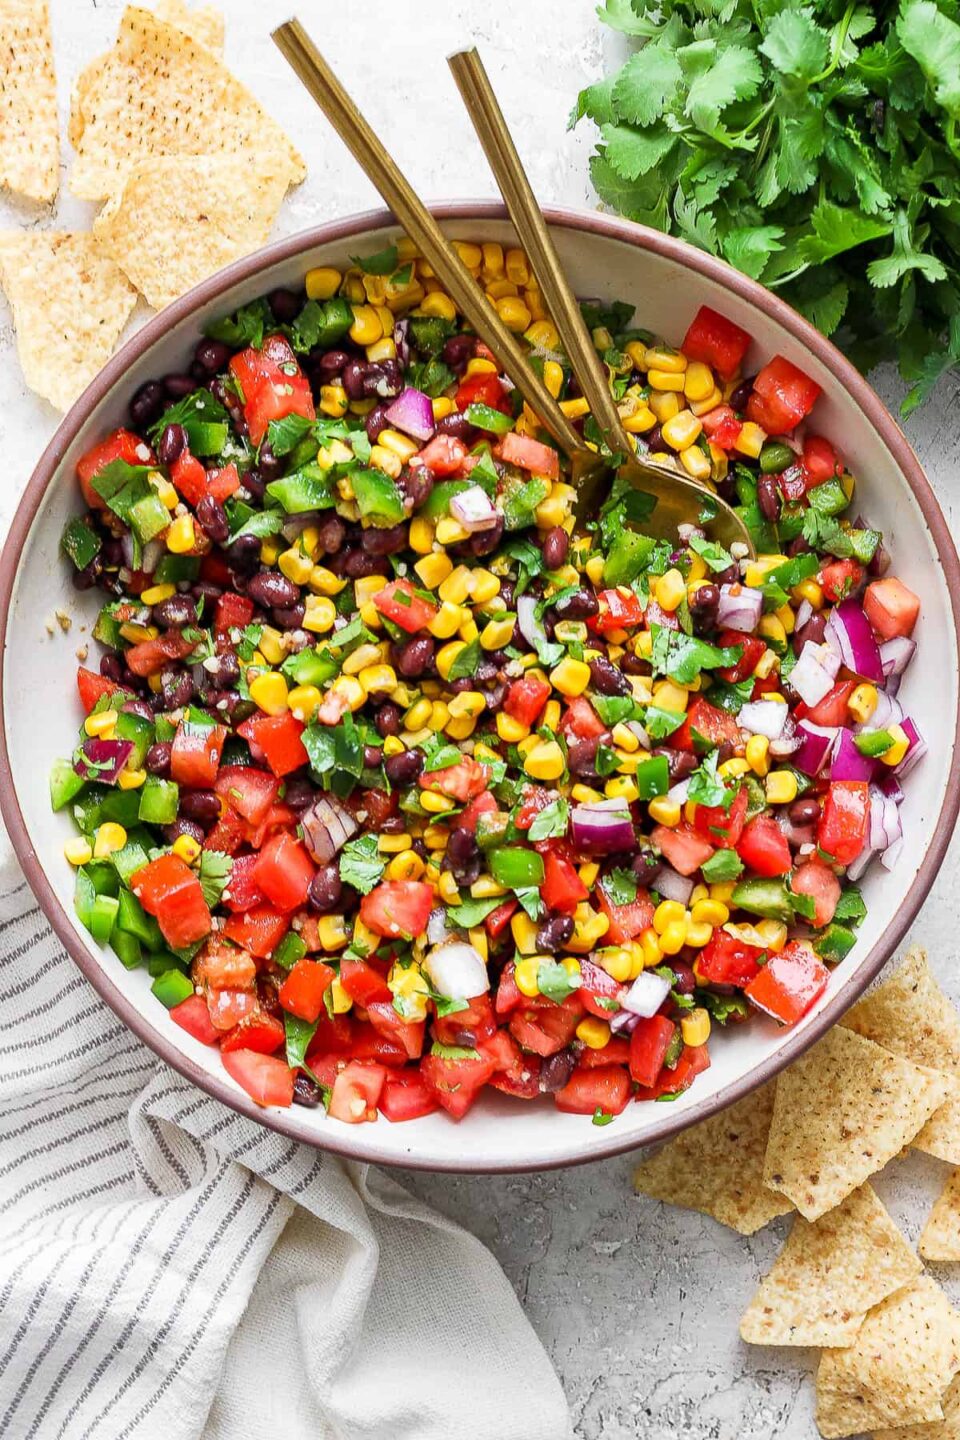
377 495
492 829
835 942
628 555
121 806
172 988
653 777
86 807
515 867
103 917
103 877
437 502
307 489
289 951
65 784
766 896
140 732
873 742
207 437
311 667
485 417
171 569
132 919
828 498
84 895
133 856
158 801
149 517
80 542
127 949
162 961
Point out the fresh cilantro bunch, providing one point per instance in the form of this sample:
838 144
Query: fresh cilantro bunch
814 147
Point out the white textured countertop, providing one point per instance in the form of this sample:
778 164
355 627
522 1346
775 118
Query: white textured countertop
637 1304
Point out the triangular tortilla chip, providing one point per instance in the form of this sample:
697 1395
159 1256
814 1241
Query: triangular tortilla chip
204 22
829 1274
941 1234
895 1372
910 1016
181 217
29 134
159 92
946 1429
69 302
841 1112
717 1167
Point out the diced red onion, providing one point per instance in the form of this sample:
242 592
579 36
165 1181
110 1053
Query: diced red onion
763 717
816 743
102 759
857 867
848 631
739 611
896 654
412 412
530 627
327 827
804 612
457 970
848 763
786 745
888 712
127 547
623 1023
891 786
437 927
401 338
892 854
673 886
916 752
602 830
885 827
474 509
640 733
152 552
813 675
678 793
646 994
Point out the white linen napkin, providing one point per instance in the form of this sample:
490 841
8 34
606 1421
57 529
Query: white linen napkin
169 1269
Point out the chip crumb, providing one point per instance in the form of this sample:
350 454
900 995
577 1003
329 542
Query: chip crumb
63 620
81 652
29 133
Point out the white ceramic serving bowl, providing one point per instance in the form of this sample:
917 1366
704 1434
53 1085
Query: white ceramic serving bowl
667 281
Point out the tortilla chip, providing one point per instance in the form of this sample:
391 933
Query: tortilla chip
941 1234
204 24
159 92
69 302
895 1372
946 1429
841 1112
829 1274
29 134
910 1016
717 1167
180 217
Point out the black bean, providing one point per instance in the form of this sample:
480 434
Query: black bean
285 304
506 593
255 485
332 363
415 486
111 552
173 442
177 690
331 532
684 980
730 576
225 672
244 554
403 769
798 546
553 934
633 665
387 719
458 350
376 422
704 605
646 867
177 610
146 405
582 756
804 812
738 400
352 379
608 678
680 763
183 826
289 617
228 704
325 889
143 708
812 630
372 755
111 667
178 387
269 588
212 356
768 498
414 656
305 1091
298 792
555 1071
457 426
387 541
158 758
880 563
581 605
268 464
212 519
486 541
206 590
203 806
393 825
654 438
555 546
463 856
86 578
494 696
382 379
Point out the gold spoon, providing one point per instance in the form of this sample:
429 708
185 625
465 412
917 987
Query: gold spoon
679 499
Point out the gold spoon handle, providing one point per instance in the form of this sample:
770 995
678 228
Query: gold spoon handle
311 68
493 134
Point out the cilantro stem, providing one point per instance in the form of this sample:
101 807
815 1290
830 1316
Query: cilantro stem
839 41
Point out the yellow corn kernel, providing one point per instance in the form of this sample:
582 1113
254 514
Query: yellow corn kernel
484 586
666 913
650 944
639 421
385 460
157 593
386 349
187 848
697 571
439 715
324 582
136 633
585 795
304 701
899 748
295 565
131 779
710 912
446 622
514 313
332 932
78 851
456 587
663 380
769 662
155 683
377 679
439 305
543 335
757 754
446 656
467 703
333 401
594 568
781 787
682 430
405 866
323 283
167 496
771 628
511 730
516 266
735 767
461 727
698 383
421 535
673 939
470 254
664 404
319 614
101 725
703 407
722 890
418 715
480 366
698 935
366 328
588 927
787 619
662 357
621 787
810 591
110 837
696 463
524 932
433 569
492 260
670 589
269 693
449 889
393 745
497 633
594 1032
862 703
669 696
181 536
571 677
552 376
695 1027
525 975
751 439
545 761
664 811
435 804
393 844
486 888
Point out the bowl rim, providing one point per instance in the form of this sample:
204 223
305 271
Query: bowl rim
593 1146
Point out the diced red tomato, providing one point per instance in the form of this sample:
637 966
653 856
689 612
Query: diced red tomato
529 454
409 1034
92 687
478 1018
599 993
844 820
356 1092
150 656
223 482
817 880
195 755
581 720
820 460
227 1008
276 739
266 1078
562 887
782 396
456 1083
484 388
752 649
460 782
683 848
243 892
626 921
725 960
233 612
498 920
891 608
397 909
303 990
832 709
694 1059
170 891
259 930
789 984
716 341
483 804
763 847
544 1027
193 1016
715 728
363 983
649 1044
525 699
722 427
618 611
249 791
508 995
257 1031
213 567
444 455
533 799
605 1088
121 445
400 603
615 1052
406 1096
284 871
721 827
273 385
189 477
221 966
841 578
522 1079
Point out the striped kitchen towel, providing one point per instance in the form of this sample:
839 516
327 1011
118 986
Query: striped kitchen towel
169 1270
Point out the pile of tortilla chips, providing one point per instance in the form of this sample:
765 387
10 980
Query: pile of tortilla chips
846 1280
189 167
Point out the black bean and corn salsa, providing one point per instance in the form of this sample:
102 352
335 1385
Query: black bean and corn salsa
397 783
